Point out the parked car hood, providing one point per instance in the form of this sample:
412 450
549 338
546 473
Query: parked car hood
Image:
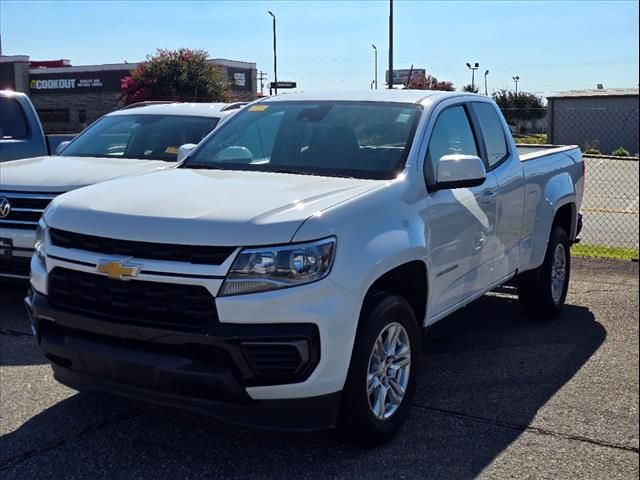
61 174
202 207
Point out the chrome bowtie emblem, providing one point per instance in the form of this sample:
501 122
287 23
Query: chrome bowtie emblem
5 207
118 269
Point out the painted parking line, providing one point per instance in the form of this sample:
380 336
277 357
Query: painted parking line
632 204
611 210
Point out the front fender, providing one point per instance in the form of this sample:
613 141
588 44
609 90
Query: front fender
375 233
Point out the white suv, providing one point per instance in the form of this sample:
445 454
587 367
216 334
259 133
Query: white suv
138 139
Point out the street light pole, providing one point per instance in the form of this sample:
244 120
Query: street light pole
486 91
516 79
473 69
390 44
375 63
275 58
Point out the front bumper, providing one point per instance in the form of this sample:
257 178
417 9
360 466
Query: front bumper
16 249
206 371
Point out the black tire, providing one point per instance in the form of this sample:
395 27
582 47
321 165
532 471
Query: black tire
357 420
535 287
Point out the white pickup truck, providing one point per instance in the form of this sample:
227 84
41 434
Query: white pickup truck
281 275
138 139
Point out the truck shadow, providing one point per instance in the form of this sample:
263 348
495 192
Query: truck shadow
485 373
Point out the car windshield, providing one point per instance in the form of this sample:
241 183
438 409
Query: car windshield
148 137
348 139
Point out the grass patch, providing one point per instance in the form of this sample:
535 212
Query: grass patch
535 139
601 251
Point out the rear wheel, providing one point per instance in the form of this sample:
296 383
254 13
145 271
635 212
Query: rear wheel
544 290
383 372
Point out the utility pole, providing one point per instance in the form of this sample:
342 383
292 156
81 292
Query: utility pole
375 63
486 92
516 79
390 44
261 77
275 58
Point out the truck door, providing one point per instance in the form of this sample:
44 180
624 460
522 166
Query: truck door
506 166
461 221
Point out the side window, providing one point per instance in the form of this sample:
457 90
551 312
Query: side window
452 134
492 132
13 125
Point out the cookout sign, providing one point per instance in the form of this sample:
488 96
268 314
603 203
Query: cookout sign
65 83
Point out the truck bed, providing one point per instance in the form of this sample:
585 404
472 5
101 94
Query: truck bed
531 152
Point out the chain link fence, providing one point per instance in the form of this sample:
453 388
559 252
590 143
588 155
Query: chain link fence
608 138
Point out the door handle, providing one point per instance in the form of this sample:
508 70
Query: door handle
487 197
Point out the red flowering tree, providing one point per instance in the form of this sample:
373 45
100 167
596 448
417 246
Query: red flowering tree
181 75
430 83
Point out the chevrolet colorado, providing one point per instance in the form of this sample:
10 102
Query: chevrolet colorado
282 274
138 139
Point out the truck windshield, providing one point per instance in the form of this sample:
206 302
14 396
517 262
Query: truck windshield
347 139
148 137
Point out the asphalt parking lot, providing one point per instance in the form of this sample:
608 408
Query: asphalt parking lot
501 396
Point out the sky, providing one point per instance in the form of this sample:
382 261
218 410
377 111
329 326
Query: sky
326 45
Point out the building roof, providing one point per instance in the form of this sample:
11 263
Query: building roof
189 109
600 92
382 95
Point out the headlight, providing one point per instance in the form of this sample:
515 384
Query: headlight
41 236
271 268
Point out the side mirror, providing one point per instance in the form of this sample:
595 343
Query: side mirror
61 146
185 150
460 171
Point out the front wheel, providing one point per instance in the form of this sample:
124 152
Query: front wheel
544 291
383 372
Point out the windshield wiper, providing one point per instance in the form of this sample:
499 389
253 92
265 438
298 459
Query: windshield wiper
198 166
306 172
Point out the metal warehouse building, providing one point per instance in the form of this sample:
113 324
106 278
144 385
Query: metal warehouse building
68 97
603 118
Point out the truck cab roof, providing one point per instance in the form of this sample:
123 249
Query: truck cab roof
383 95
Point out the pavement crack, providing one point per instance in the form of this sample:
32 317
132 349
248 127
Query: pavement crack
24 456
14 333
528 428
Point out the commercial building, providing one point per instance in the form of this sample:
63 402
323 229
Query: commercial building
605 119
69 97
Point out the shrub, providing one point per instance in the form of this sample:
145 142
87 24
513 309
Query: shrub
592 151
175 75
430 83
620 152
591 148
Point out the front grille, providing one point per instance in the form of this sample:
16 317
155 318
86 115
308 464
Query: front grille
25 209
196 254
18 266
154 304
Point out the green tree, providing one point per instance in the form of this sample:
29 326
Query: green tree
470 88
177 75
430 83
521 107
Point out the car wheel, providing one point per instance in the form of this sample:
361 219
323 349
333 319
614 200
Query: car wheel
543 292
382 376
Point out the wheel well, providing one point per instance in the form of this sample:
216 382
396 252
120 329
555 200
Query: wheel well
410 282
564 218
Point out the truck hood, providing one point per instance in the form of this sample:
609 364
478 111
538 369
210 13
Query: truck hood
202 207
61 174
